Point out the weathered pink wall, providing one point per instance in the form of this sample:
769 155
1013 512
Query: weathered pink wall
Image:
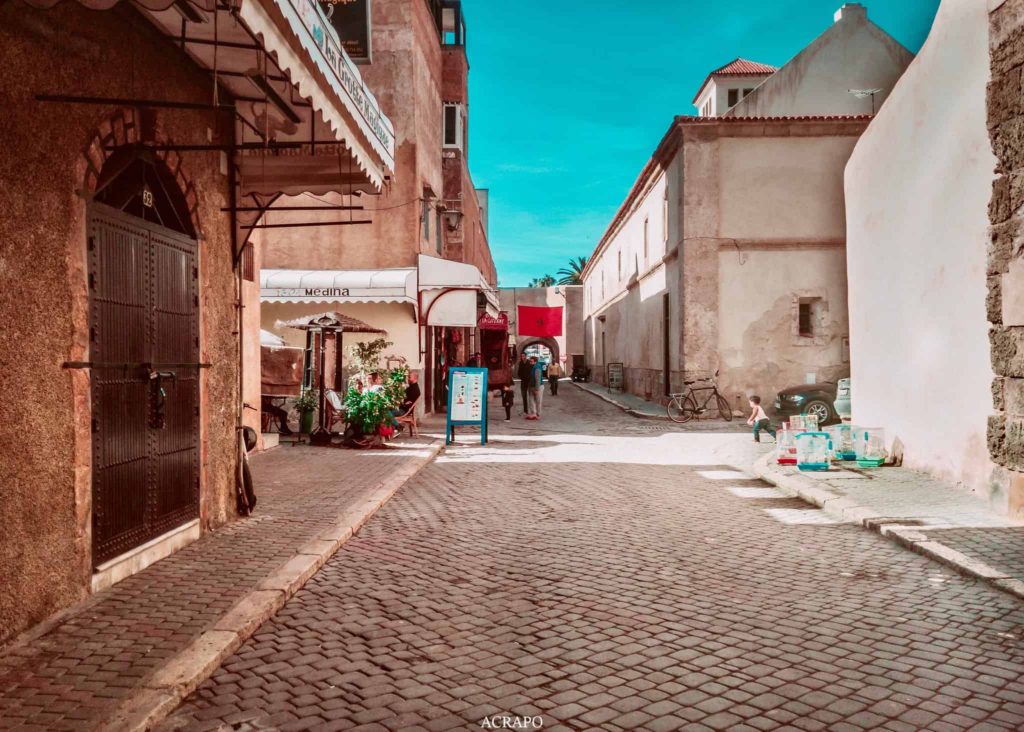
45 555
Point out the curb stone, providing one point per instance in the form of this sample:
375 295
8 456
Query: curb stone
628 410
182 674
902 531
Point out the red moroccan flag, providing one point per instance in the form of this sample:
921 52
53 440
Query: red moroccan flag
540 322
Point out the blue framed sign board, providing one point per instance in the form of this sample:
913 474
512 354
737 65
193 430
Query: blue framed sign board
467 401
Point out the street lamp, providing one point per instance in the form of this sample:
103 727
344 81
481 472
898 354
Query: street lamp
862 93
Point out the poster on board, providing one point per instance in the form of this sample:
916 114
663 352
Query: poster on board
351 19
467 400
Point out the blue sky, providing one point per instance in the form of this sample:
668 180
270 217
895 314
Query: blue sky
568 98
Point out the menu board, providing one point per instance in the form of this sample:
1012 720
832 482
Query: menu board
615 376
467 396
467 400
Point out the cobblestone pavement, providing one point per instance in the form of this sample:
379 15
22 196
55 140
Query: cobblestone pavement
605 577
76 674
912 507
999 548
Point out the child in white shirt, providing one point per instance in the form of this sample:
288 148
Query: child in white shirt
759 420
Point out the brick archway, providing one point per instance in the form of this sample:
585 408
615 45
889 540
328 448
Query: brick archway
123 128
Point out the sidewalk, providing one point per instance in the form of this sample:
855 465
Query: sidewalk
126 657
918 512
637 407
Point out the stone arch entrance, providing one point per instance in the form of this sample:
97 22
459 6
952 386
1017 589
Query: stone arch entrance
551 343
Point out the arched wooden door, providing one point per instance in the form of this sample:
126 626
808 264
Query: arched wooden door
144 344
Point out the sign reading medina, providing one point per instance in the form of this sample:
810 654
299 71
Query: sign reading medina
540 322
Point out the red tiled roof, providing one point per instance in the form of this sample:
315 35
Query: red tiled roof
743 67
737 67
692 119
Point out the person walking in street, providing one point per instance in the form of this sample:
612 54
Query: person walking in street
759 420
508 399
536 392
554 374
523 372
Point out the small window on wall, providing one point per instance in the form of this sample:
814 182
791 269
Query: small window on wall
747 91
454 126
248 263
646 239
806 327
810 311
437 232
426 219
734 96
664 218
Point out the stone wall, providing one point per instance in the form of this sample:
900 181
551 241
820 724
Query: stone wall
48 168
1005 266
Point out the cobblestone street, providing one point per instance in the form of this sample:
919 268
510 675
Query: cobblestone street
604 573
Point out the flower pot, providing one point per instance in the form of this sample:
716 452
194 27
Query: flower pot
305 422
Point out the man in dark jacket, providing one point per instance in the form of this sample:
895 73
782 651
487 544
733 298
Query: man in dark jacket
524 373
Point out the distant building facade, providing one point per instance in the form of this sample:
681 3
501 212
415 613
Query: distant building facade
421 270
729 252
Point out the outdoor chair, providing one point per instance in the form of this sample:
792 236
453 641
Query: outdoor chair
409 418
335 409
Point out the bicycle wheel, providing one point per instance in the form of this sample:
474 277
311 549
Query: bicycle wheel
681 409
724 410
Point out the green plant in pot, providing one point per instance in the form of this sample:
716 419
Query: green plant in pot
368 410
307 404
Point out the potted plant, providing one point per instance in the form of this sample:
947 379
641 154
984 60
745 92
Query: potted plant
306 404
370 411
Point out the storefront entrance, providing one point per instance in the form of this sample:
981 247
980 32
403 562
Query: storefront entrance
144 342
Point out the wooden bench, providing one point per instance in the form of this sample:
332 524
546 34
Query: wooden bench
409 417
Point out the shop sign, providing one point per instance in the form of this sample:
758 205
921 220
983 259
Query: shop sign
351 18
309 14
489 322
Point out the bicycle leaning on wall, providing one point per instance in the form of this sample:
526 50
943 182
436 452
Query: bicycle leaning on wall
685 406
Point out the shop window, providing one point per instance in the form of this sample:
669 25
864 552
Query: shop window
734 96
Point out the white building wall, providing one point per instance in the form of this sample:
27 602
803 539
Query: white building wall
917 190
853 53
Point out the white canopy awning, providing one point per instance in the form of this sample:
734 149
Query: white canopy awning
290 81
338 285
448 292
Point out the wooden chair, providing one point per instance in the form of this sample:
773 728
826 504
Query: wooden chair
409 417
335 409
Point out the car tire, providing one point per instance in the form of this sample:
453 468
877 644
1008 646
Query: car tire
821 409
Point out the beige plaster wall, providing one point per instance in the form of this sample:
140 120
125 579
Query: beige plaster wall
782 187
45 549
760 350
852 53
917 190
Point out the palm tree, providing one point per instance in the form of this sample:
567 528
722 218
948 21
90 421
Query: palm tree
545 281
573 274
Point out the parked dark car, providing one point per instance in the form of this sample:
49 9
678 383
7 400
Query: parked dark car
816 399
